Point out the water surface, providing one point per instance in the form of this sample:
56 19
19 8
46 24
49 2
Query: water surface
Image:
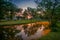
29 31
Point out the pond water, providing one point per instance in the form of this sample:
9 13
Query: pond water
29 31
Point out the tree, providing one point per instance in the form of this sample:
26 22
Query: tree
33 11
19 13
52 10
5 8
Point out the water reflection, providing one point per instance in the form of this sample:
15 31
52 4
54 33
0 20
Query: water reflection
29 31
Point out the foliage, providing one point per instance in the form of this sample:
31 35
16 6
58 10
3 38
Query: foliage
52 10
6 9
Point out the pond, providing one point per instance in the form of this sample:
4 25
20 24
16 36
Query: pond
30 31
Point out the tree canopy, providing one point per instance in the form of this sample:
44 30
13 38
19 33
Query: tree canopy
51 8
5 7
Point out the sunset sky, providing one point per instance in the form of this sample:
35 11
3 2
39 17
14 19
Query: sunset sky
25 3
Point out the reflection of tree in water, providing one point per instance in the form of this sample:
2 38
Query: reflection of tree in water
25 29
11 31
32 30
7 33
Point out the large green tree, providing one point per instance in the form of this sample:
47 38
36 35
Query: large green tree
52 10
6 7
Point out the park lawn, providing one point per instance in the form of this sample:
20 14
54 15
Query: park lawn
51 36
13 22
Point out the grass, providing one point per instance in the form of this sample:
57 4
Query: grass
51 36
13 22
58 23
